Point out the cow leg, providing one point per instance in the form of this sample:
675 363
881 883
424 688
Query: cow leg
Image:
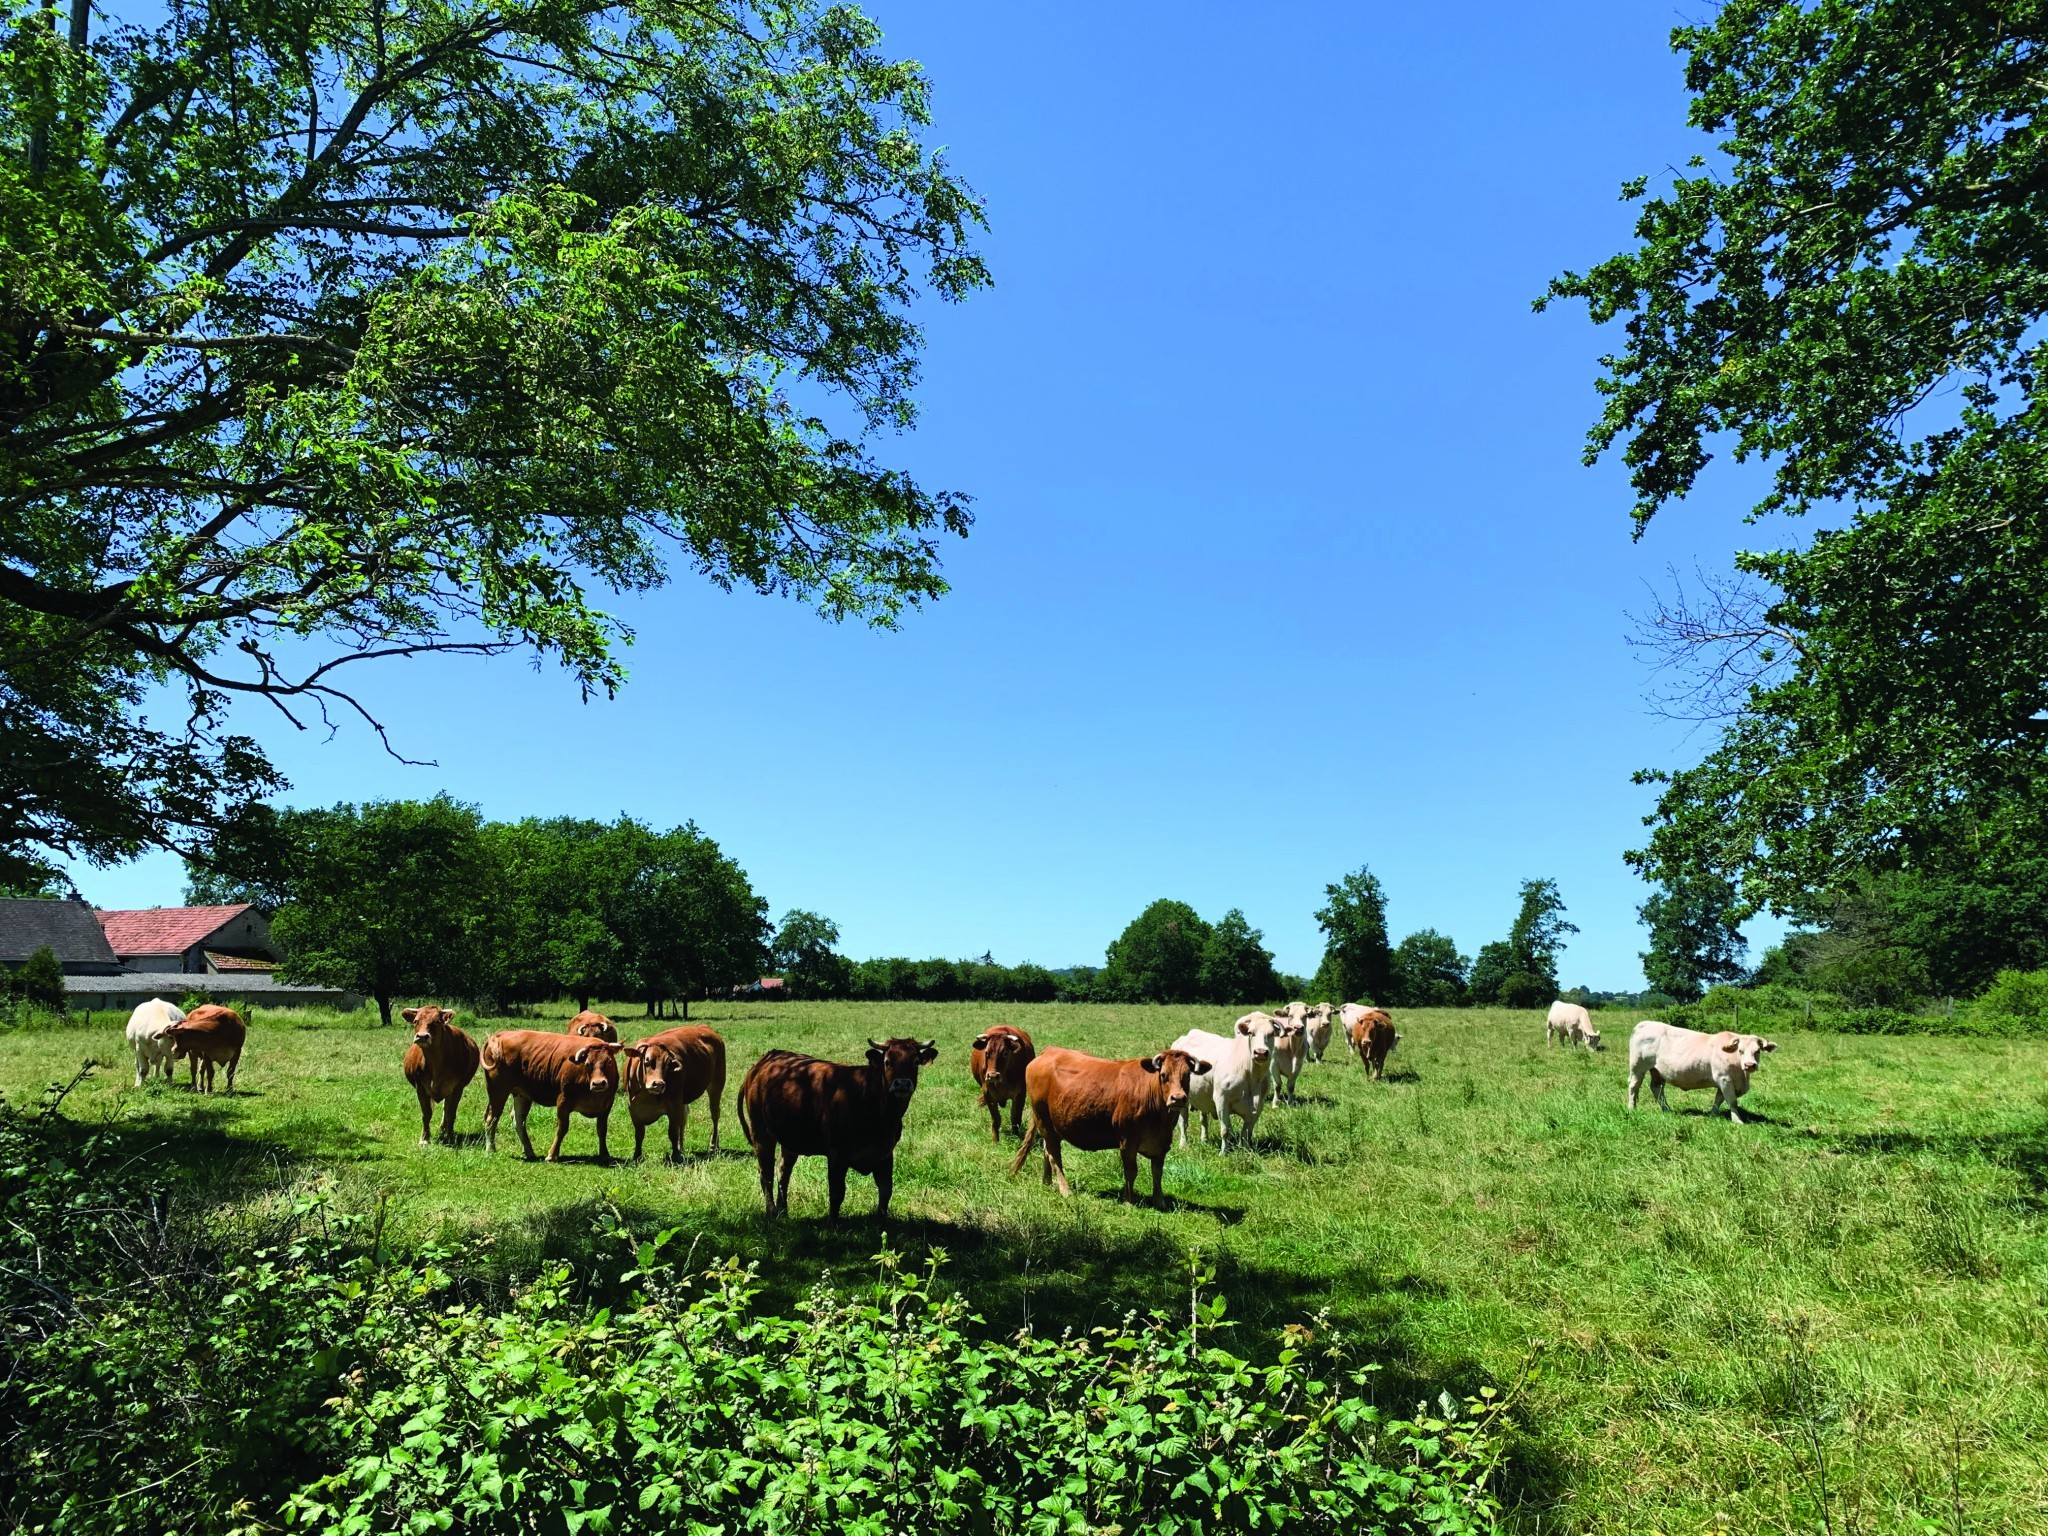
835 1185
764 1155
678 1128
141 1069
494 1106
715 1093
561 1131
604 1125
885 1185
1735 1112
639 1139
1158 1189
1130 1189
1717 1101
234 1061
1017 1115
995 1121
1657 1087
1054 1166
448 1115
520 1107
782 1185
426 1114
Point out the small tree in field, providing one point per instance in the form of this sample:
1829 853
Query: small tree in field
40 981
1158 958
804 952
1236 965
387 899
1357 959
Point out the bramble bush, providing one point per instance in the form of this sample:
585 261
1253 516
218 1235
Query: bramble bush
163 1375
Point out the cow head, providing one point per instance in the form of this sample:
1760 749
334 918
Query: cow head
649 1068
1256 1030
1593 1038
1002 1054
427 1023
1747 1050
1173 1069
899 1061
602 1058
593 1026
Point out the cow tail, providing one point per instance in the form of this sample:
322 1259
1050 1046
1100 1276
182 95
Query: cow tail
1030 1141
739 1104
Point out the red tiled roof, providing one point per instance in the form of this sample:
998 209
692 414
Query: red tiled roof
771 981
165 930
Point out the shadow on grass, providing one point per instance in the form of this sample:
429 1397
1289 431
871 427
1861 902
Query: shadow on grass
2023 1150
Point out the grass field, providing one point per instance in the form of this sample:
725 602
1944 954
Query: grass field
1834 1319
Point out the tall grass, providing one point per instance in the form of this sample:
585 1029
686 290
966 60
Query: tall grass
1833 1319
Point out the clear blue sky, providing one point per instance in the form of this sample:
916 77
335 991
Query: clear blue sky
1285 560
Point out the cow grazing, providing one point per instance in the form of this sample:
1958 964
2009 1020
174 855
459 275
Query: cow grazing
1087 1102
852 1116
439 1064
1239 1079
1321 1021
666 1074
998 1062
209 1036
575 1075
1572 1025
1371 1034
146 1032
1290 1050
592 1026
1686 1058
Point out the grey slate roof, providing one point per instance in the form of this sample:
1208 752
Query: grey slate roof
68 927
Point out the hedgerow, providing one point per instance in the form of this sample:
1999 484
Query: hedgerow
164 1376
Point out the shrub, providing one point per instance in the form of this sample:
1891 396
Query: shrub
877 1413
40 981
2020 997
1524 989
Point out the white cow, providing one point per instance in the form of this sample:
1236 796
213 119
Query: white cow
146 1026
1239 1077
1571 1024
1321 1020
1685 1058
1290 1048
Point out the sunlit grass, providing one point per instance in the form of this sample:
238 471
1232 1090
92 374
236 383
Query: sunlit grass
1850 1294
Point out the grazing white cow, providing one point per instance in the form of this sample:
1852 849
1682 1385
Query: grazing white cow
1685 1058
1321 1020
1290 1048
1571 1024
1239 1077
153 1049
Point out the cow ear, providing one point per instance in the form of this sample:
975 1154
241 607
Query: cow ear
1200 1069
638 1053
981 1042
875 1054
1769 1045
1153 1063
411 1015
1731 1044
1243 1028
928 1052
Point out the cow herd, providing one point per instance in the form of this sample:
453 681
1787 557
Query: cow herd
851 1114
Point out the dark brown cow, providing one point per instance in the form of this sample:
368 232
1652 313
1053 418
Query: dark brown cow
852 1116
592 1026
1372 1037
207 1036
998 1064
529 1066
666 1073
439 1064
1096 1104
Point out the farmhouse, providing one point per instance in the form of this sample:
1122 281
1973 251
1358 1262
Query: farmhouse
192 940
66 927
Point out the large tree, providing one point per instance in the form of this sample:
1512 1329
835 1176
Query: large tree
1536 937
1850 288
1695 940
685 917
1428 971
1157 958
805 950
331 333
1236 965
389 899
1358 959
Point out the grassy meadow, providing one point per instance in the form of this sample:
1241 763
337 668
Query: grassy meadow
1834 1319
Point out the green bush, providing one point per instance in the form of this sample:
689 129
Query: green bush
166 1376
2019 998
1525 989
40 981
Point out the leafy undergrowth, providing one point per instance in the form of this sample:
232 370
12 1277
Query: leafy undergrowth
165 1374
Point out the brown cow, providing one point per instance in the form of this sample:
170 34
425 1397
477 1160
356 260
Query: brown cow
1371 1033
206 1036
998 1064
575 1075
665 1073
1097 1104
852 1116
439 1064
592 1026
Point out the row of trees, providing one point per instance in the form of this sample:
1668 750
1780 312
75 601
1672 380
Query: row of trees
416 897
1425 970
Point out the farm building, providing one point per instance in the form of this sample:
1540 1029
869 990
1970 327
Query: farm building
192 940
66 927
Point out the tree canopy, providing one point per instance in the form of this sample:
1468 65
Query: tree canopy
1357 956
1849 289
338 333
1236 965
1157 958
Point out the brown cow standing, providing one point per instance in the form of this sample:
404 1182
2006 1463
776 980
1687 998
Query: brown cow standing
998 1064
207 1036
852 1116
1096 1104
575 1075
439 1064
1371 1033
665 1073
592 1026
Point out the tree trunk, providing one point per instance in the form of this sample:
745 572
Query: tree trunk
686 1007
384 1008
583 1002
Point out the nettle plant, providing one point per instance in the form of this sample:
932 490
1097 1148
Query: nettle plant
878 1412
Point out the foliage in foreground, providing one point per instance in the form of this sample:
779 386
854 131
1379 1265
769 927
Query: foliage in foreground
164 1377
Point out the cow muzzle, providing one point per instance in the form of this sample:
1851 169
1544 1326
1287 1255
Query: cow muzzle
902 1087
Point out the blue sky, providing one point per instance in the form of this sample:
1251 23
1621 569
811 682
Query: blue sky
1285 560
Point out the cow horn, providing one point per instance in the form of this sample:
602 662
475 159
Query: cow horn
931 1044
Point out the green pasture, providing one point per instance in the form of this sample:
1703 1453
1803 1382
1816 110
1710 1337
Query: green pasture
1833 1319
